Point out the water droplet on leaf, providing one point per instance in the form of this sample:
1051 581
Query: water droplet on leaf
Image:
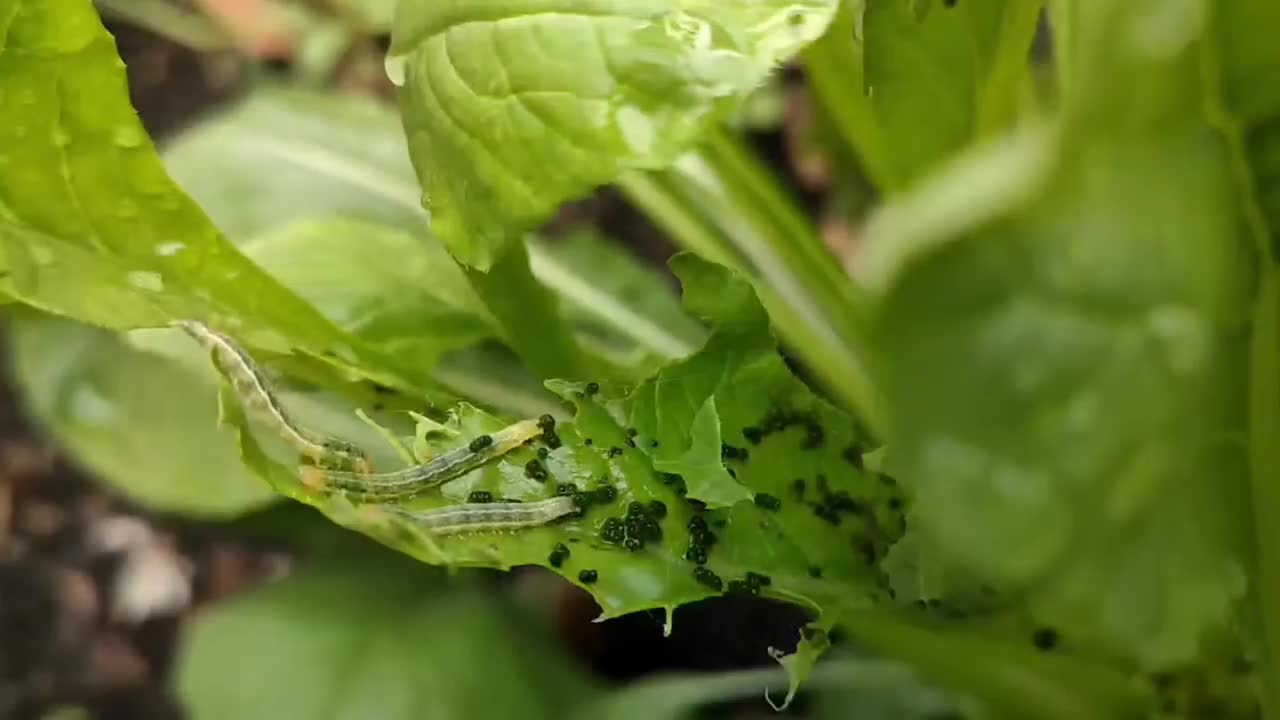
394 67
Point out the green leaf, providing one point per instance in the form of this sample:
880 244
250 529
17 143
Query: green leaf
602 285
737 397
724 204
285 155
529 316
851 687
1011 681
809 560
369 637
144 424
78 167
1264 462
913 87
508 116
701 463
282 156
402 296
93 229
1067 363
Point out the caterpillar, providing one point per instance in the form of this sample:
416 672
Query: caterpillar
489 517
261 403
414 481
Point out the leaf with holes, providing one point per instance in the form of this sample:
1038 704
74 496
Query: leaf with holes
644 541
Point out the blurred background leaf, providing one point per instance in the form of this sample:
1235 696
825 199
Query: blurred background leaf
134 418
371 636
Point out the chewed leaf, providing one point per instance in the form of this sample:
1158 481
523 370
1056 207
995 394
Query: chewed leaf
736 424
513 106
639 541
702 462
799 664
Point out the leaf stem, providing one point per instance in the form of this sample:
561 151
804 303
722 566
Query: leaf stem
833 65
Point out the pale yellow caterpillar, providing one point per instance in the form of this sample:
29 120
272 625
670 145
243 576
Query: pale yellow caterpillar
262 404
489 517
414 481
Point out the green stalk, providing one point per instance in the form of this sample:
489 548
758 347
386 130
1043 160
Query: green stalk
721 202
833 65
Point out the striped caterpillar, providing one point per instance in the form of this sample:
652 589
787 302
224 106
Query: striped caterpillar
255 395
342 467
489 517
414 481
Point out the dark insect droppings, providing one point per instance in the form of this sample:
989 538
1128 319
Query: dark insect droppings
1045 639
696 554
551 439
853 456
588 442
534 470
480 443
813 437
753 435
797 488
613 531
547 423
543 453
593 388
657 509
587 577
606 494
742 587
566 489
759 579
709 579
815 572
558 555
480 496
765 501
633 543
